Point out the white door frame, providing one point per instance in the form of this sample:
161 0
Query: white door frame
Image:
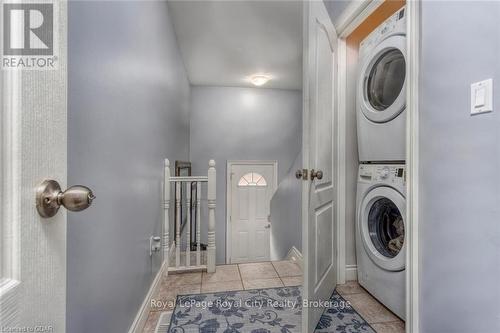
229 164
351 18
413 25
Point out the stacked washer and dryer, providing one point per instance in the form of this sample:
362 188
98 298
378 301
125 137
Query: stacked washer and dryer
381 203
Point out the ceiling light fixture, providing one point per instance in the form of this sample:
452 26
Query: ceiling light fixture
259 79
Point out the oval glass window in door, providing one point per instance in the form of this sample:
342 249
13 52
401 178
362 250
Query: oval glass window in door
386 79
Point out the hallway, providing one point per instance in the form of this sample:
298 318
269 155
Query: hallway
261 276
244 166
226 278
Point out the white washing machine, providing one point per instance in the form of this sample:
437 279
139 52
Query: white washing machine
380 233
381 92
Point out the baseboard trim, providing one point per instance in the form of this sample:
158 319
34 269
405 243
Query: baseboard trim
142 314
351 272
295 255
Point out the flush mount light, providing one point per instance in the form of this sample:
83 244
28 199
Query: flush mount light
259 79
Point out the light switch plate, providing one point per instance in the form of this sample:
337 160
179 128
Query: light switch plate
481 97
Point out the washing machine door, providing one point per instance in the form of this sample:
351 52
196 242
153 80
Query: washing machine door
381 223
382 80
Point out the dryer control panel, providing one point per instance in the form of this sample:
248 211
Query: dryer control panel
393 174
394 25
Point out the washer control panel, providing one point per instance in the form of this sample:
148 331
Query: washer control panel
397 22
394 174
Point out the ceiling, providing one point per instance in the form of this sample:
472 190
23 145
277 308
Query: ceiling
224 42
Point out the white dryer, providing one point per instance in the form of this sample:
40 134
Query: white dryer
380 233
381 92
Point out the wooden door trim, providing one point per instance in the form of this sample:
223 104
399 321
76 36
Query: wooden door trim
229 165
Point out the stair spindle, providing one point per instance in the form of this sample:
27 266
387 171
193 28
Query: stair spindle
178 224
188 221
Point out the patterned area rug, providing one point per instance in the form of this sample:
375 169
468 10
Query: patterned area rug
342 318
259 311
255 311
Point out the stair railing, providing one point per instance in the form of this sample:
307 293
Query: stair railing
174 251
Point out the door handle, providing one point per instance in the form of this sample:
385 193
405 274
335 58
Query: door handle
267 226
316 174
301 174
50 197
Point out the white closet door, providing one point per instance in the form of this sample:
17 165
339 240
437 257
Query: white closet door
319 132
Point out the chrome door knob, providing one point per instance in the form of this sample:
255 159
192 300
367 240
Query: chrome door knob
301 174
76 198
316 174
49 198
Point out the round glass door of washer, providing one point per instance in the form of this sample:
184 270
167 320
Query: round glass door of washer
386 227
382 227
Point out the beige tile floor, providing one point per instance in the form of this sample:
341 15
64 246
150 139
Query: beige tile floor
378 316
226 278
264 275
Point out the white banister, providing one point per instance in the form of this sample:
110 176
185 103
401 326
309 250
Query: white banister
189 179
166 213
178 224
188 221
172 254
198 224
211 196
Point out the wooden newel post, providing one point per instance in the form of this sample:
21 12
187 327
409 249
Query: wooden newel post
211 196
166 213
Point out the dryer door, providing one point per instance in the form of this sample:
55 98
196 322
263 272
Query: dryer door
382 81
382 226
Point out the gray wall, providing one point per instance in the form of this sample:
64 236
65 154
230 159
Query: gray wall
242 124
459 166
286 214
128 109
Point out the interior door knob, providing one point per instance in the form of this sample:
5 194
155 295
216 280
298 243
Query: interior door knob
301 174
49 198
316 174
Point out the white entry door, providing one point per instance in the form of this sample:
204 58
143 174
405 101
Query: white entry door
251 188
319 133
33 147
